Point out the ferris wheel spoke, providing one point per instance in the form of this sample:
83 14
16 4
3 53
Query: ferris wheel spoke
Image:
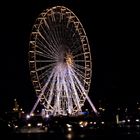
76 49
81 54
57 30
40 45
76 99
44 67
50 35
57 37
39 53
79 73
42 51
50 47
49 40
80 60
83 90
52 31
46 73
46 24
44 61
79 66
51 90
65 85
47 82
59 92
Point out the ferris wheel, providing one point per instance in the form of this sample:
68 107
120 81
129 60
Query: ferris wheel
60 62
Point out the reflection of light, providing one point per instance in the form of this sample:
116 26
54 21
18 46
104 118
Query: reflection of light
69 136
82 136
138 126
137 120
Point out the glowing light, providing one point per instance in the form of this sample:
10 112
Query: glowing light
137 120
29 125
128 120
28 117
39 124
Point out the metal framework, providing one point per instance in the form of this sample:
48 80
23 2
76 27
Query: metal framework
60 62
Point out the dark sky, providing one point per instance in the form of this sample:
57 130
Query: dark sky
112 30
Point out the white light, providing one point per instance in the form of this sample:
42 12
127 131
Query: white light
16 126
9 125
47 116
102 122
68 125
94 123
137 120
39 124
128 120
32 114
29 125
90 122
28 116
69 129
123 121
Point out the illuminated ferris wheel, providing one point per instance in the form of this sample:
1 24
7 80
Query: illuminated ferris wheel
60 62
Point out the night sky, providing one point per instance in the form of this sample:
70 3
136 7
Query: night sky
112 30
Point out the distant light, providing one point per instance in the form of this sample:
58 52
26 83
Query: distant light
69 129
94 123
16 126
32 114
47 115
28 117
68 125
128 120
29 125
83 123
9 125
102 122
39 124
90 122
123 121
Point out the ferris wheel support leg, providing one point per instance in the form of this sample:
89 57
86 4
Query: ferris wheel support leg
91 104
35 105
